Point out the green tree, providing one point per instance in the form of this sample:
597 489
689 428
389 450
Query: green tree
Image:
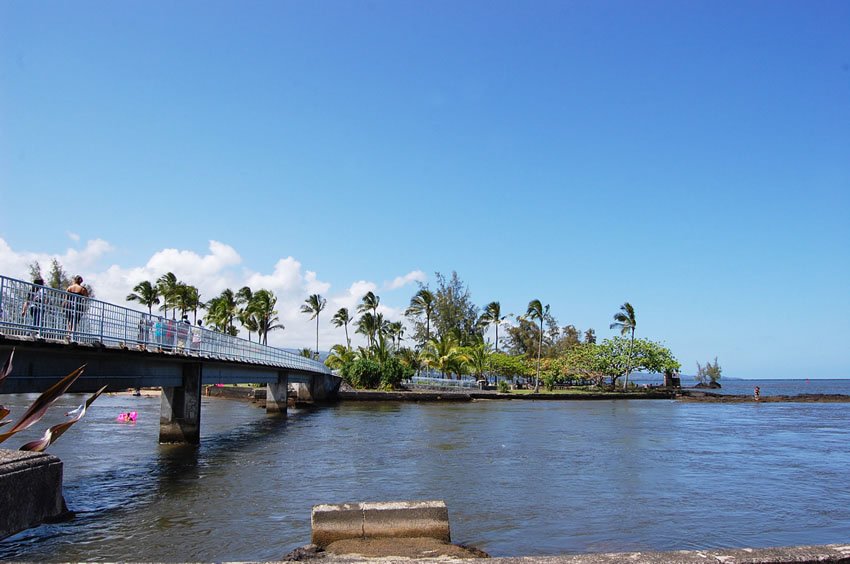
492 315
339 357
618 356
167 286
262 309
421 305
508 366
442 354
342 318
537 311
454 310
478 360
35 270
222 310
369 324
590 336
624 320
57 277
710 373
396 333
146 294
313 306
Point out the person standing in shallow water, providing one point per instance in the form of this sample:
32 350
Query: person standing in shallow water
74 304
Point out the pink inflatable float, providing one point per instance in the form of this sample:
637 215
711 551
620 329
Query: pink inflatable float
129 417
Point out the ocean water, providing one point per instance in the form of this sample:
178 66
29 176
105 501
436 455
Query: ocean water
519 477
767 387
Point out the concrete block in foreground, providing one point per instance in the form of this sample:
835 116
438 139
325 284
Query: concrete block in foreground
30 490
393 519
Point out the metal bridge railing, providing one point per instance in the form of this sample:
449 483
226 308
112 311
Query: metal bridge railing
32 311
431 383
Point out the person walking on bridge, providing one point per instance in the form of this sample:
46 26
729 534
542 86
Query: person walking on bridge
74 305
33 305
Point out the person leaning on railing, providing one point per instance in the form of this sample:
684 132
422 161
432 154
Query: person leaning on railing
74 306
34 305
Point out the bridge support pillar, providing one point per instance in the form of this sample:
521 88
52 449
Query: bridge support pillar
276 394
180 409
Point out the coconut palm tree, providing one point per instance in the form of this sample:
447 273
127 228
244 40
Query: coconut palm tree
167 286
340 318
443 354
625 321
478 360
222 310
314 306
369 325
396 331
537 310
369 302
422 303
146 294
263 311
340 357
492 315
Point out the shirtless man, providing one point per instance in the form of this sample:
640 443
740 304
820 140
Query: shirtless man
74 304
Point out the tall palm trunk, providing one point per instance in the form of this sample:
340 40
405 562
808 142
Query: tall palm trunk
317 335
629 363
539 350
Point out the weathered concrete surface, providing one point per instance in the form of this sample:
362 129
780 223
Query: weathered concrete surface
180 409
782 555
834 553
397 519
30 490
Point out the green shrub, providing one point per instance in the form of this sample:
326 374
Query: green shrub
393 372
364 373
504 388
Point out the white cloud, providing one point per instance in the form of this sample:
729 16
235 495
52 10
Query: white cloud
409 278
73 236
221 267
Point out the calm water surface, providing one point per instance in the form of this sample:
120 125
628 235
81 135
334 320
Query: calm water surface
519 477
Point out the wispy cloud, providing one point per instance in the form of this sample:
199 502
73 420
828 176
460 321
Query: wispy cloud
409 278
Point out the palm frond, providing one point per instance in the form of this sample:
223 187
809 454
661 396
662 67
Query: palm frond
39 407
7 367
52 434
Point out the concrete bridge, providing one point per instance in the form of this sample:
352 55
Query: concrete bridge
53 333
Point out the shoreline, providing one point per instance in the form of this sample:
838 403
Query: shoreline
688 395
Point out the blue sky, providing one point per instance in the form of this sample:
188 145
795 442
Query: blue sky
692 158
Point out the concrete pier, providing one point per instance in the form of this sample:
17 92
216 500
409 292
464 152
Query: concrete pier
180 409
276 394
396 519
30 490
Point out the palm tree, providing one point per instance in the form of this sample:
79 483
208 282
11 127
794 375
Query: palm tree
314 306
492 316
624 320
478 360
167 286
422 303
369 325
221 311
340 357
537 310
146 294
340 318
443 354
396 331
369 302
262 310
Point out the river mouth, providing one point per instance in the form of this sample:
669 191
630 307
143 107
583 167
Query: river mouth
519 478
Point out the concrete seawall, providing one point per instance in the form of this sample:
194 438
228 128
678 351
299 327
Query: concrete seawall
30 490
